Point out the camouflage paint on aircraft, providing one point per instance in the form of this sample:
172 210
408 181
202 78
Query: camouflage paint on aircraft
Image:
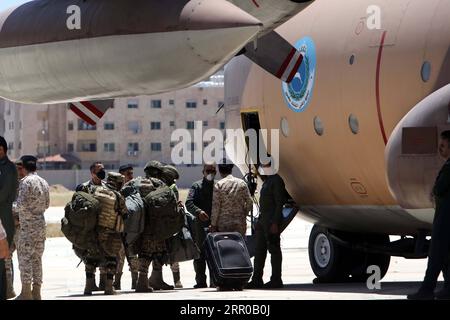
299 92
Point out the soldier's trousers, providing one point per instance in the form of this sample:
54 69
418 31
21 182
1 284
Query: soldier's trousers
266 241
200 270
29 252
157 266
133 261
148 250
438 257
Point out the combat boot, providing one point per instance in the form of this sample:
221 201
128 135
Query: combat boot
156 281
176 280
142 283
90 284
101 285
109 290
134 278
36 292
26 292
117 279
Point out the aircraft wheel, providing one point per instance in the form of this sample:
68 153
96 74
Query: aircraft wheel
325 256
361 261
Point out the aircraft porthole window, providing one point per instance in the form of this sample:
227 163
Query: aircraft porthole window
426 71
284 127
353 123
352 59
318 126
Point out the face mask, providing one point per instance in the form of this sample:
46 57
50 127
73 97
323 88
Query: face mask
101 174
210 177
265 171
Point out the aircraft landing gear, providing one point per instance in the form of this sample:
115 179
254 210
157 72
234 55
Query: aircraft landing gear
333 262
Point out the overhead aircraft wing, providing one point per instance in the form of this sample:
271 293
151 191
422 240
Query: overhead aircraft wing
272 13
276 55
91 111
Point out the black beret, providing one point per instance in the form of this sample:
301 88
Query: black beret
28 159
125 167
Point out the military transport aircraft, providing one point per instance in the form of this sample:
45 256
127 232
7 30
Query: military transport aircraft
359 126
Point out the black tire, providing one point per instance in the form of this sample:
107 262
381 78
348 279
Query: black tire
361 261
331 267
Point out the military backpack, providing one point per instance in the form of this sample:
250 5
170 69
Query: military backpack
80 221
164 215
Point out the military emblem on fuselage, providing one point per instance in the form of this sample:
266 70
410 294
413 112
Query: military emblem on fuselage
299 92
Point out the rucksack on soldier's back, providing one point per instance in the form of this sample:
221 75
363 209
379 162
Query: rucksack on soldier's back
80 221
164 215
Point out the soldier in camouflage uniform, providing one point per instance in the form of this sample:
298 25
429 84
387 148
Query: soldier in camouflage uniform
151 250
133 262
9 261
32 201
231 203
98 174
110 241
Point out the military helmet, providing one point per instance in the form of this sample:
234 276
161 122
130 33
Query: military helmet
115 180
154 165
153 169
170 174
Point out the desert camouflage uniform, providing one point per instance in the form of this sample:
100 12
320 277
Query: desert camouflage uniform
32 201
231 204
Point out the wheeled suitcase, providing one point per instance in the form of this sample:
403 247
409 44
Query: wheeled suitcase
228 260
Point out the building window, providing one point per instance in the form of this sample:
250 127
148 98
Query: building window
190 125
11 146
134 127
109 147
133 148
171 102
20 145
155 125
11 126
156 146
133 104
20 125
108 126
87 146
205 102
172 123
205 123
70 126
191 104
70 147
222 125
84 126
156 104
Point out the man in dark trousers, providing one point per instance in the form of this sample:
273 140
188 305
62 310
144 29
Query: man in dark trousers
272 198
8 190
199 204
438 256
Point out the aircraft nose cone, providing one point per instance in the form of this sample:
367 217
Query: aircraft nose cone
215 14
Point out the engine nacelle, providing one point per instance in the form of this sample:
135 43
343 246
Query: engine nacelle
412 158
